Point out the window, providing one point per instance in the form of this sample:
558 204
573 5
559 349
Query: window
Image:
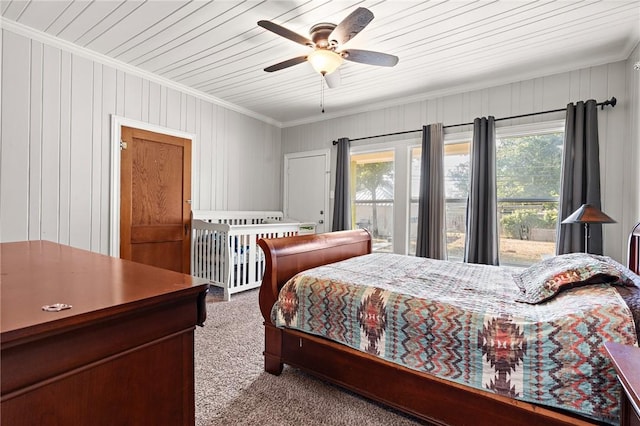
373 185
528 166
528 181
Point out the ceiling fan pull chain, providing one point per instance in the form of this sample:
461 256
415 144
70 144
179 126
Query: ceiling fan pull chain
322 93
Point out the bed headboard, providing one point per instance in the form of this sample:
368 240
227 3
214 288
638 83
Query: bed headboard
633 253
287 256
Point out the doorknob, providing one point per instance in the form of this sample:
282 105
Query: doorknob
321 221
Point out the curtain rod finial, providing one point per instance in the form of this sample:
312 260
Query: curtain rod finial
613 101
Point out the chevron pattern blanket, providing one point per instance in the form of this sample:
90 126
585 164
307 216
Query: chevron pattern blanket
462 322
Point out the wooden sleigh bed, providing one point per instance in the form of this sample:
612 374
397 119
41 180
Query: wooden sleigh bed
420 394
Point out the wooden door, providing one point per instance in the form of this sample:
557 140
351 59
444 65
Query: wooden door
155 192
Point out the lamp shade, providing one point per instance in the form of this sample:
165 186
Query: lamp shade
587 213
324 61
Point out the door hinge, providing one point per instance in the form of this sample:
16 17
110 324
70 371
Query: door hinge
123 144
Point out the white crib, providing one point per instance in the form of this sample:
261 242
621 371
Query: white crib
224 246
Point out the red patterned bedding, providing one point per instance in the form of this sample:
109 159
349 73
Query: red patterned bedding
463 322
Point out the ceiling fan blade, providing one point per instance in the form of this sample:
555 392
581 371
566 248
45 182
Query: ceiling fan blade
283 32
333 79
351 25
369 57
286 64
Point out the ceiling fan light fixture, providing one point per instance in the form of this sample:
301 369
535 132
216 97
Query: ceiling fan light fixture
324 61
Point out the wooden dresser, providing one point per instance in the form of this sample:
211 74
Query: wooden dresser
122 354
626 360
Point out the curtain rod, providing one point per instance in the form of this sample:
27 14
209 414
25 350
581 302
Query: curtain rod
611 102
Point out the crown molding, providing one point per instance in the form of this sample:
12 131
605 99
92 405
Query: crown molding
48 39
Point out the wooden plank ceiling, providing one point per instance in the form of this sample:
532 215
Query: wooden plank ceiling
444 46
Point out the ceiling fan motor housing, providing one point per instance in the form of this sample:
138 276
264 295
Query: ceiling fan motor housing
320 35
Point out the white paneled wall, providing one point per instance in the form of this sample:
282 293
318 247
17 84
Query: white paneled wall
620 183
56 138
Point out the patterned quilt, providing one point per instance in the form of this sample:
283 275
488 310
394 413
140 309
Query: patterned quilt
461 322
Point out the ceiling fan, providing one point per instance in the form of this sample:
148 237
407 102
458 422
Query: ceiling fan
327 41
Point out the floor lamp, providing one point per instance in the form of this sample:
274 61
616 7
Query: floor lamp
588 214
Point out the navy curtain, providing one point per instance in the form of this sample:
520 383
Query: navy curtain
431 202
580 181
481 241
342 199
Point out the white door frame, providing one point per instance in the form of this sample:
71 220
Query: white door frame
327 174
116 125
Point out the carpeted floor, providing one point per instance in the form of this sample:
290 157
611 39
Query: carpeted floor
233 389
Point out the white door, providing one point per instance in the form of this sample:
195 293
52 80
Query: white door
306 188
